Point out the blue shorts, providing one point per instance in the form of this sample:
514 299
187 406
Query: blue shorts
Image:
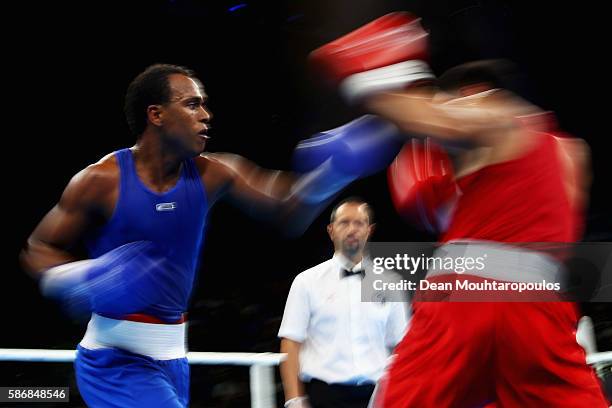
118 378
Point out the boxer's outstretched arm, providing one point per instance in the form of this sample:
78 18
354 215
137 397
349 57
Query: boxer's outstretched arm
250 186
383 66
256 190
471 119
325 164
52 241
260 192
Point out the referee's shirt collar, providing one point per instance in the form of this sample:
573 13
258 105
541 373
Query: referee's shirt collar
342 262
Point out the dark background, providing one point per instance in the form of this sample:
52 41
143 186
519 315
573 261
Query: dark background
66 70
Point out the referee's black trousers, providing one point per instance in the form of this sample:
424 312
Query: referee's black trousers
324 395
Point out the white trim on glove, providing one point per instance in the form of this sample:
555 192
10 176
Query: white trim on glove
397 76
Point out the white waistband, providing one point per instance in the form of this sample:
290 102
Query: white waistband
502 262
158 341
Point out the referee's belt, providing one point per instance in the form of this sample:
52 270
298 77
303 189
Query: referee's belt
365 383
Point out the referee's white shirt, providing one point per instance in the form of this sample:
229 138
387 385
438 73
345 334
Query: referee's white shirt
344 340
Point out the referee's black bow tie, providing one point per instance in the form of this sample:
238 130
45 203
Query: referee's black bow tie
347 273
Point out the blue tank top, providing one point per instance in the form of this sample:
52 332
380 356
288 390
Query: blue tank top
174 219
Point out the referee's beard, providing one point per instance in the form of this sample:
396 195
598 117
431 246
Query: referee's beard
353 250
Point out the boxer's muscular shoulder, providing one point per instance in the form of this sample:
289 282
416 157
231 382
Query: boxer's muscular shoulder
218 171
575 159
576 151
96 187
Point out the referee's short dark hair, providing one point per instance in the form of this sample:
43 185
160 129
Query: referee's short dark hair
353 200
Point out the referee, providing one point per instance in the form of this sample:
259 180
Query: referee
337 346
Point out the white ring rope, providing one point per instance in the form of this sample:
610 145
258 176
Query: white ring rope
194 357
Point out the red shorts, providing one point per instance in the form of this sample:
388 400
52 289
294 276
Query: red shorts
471 354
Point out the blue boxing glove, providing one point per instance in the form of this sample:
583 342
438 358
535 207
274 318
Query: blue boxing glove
333 159
371 145
122 281
361 147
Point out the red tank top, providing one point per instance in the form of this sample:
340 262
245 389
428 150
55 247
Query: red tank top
520 200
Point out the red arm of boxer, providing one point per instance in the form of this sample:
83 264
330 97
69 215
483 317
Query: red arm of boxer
479 118
382 66
575 156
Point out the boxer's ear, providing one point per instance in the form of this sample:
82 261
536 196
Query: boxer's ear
154 115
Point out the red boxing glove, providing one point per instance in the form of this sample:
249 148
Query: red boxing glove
388 53
422 185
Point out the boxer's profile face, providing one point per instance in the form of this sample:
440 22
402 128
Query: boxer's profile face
350 228
184 119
